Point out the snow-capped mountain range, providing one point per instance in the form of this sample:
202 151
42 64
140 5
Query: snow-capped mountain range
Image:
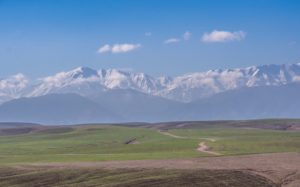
85 81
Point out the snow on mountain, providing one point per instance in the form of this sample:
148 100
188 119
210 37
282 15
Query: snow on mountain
198 85
116 79
82 81
86 81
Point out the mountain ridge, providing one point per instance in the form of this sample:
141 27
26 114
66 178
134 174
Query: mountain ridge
121 105
189 87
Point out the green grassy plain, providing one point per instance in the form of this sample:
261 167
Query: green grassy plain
238 141
101 143
93 143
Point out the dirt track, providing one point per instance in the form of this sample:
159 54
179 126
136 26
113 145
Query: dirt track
183 137
282 168
205 149
171 135
202 147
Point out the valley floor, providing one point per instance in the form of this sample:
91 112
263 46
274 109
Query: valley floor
184 154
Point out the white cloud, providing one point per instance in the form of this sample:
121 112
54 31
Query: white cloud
148 34
118 48
172 40
187 35
104 49
123 48
223 36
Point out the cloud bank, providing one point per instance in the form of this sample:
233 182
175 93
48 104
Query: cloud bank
104 49
223 36
118 48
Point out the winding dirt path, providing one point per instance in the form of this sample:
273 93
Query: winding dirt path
205 149
202 147
171 135
183 137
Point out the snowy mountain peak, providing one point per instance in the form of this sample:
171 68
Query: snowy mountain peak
77 74
83 72
117 79
86 81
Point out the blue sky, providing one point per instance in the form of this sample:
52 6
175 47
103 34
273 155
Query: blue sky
40 38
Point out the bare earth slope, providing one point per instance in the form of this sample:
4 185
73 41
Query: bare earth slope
281 168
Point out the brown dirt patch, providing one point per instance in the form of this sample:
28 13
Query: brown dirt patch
281 168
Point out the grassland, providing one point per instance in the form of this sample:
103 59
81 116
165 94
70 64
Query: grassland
93 143
101 143
151 154
229 141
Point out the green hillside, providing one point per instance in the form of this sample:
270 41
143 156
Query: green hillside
109 142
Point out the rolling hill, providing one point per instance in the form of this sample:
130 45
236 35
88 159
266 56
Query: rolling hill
130 105
55 108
